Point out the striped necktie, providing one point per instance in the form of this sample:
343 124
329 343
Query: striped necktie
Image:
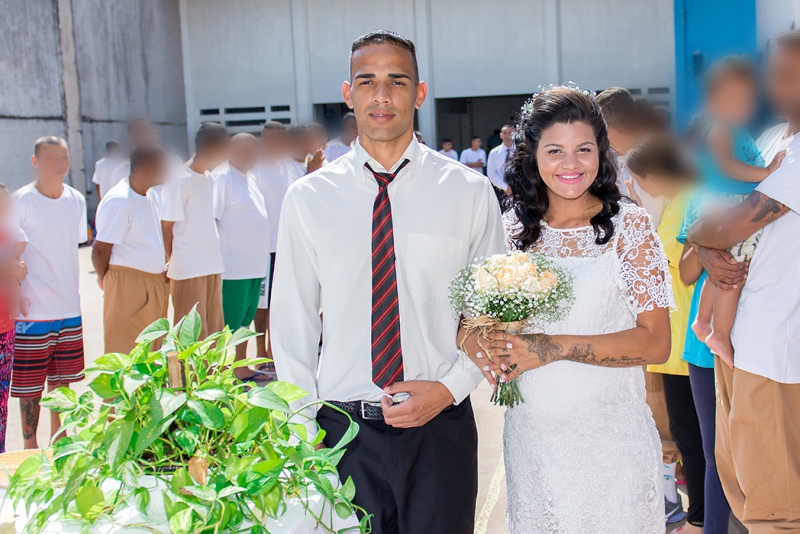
387 354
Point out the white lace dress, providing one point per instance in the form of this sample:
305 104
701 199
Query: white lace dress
582 454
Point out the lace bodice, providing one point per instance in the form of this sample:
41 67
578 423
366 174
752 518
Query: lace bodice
643 264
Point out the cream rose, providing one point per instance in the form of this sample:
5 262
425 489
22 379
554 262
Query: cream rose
547 280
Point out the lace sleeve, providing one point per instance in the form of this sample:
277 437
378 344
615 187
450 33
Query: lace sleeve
511 226
644 265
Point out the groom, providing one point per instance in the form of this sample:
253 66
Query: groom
372 241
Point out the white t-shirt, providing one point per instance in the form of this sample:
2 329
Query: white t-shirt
272 179
473 156
54 228
131 222
336 149
450 153
122 170
296 169
766 334
103 173
243 224
188 201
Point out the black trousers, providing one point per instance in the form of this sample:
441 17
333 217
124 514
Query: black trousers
685 429
416 480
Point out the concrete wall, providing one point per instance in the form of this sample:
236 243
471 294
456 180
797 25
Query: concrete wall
773 17
267 52
122 59
31 100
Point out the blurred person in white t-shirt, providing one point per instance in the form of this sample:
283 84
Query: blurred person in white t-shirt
339 146
105 166
447 149
474 157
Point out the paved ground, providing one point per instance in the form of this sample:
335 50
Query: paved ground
491 491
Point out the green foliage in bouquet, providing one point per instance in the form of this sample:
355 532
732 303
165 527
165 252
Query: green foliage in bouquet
249 454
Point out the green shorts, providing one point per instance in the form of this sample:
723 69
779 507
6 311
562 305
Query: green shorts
239 301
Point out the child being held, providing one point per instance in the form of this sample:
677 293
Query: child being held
731 167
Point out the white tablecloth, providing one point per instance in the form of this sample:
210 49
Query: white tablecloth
294 521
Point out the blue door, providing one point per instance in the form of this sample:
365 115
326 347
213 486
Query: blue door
706 30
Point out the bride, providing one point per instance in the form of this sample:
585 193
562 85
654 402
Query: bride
581 453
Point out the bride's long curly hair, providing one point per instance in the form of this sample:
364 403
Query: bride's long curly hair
529 200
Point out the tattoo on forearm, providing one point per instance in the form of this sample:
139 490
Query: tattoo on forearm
543 346
29 412
585 353
769 209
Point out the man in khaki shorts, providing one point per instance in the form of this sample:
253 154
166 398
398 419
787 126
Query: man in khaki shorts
128 254
191 240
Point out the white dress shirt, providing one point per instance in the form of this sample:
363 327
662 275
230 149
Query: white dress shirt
494 167
444 217
243 224
272 179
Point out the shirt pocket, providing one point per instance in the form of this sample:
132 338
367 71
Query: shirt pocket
433 262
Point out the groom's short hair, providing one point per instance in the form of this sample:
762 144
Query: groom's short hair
618 108
389 37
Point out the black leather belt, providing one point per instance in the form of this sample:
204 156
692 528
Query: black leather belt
370 411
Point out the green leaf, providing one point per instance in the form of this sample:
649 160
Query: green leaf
109 362
90 501
164 403
60 400
102 386
240 336
343 509
187 438
181 522
131 383
151 432
230 490
212 392
268 399
29 467
180 479
142 496
201 492
210 416
349 489
286 391
352 430
190 328
251 361
248 424
117 441
154 331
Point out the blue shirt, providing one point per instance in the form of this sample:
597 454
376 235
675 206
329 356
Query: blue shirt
744 150
694 350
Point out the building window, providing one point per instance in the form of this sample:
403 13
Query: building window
209 111
276 109
256 109
251 122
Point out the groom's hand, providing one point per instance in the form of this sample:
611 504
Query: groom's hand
426 400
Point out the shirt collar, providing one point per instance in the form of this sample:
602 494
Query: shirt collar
413 153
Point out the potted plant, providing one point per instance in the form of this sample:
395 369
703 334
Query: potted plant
177 425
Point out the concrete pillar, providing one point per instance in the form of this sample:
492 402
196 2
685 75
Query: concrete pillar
71 95
423 42
304 107
551 15
192 113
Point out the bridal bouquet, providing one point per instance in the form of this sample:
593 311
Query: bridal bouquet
503 293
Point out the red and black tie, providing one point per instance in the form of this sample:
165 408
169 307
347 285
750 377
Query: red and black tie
387 354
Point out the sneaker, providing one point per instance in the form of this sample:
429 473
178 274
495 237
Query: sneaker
673 511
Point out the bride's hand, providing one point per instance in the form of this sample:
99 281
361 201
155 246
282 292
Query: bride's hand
512 355
476 353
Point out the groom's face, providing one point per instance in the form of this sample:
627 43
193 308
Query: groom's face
784 81
383 91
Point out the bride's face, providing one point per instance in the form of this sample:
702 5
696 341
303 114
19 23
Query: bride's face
568 159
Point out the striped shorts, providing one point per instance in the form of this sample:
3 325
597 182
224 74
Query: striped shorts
46 350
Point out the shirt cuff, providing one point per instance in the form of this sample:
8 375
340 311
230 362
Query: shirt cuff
462 378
